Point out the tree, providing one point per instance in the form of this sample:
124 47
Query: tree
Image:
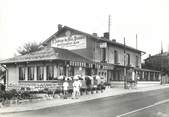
29 47
3 74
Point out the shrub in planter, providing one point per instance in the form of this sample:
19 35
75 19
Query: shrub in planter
11 94
22 89
103 87
2 94
49 92
41 91
45 90
82 90
88 90
2 97
25 95
57 91
107 84
99 87
70 91
92 90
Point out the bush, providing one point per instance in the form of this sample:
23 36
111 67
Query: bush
82 89
25 95
11 94
107 84
70 91
2 95
88 88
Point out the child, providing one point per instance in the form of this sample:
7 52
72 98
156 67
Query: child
65 88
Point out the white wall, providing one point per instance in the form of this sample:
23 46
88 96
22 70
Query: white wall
13 74
110 56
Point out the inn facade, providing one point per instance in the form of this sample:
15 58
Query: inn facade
70 52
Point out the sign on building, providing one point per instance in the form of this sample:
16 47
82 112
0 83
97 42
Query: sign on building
103 45
70 42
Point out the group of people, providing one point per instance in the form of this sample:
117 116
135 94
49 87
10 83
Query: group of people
76 87
84 82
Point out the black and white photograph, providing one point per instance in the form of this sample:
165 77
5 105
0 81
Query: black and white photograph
84 58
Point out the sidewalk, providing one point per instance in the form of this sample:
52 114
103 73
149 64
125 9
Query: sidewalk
58 102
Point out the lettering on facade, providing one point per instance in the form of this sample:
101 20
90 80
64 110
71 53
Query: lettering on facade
70 42
108 67
103 45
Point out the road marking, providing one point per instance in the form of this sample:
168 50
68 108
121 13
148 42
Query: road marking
134 111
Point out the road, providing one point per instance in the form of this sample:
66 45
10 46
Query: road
142 104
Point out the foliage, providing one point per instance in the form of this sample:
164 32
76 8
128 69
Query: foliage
29 47
10 94
2 77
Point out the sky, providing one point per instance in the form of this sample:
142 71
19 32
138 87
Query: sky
23 21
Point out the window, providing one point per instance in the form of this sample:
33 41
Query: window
70 71
40 73
128 59
137 61
116 57
30 73
103 54
50 72
62 70
21 73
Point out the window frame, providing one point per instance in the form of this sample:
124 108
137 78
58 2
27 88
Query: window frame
41 68
116 58
31 76
22 73
50 72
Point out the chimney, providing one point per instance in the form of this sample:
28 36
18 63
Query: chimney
94 34
59 27
114 40
106 35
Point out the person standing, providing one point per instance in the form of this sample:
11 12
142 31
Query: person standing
65 88
79 86
76 88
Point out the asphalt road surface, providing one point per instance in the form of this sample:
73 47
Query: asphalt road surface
142 104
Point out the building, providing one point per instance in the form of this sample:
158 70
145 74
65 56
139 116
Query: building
69 52
158 62
100 50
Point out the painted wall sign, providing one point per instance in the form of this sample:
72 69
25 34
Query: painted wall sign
103 45
70 42
108 67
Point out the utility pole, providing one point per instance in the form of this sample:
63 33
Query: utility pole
125 78
109 23
161 47
161 68
136 42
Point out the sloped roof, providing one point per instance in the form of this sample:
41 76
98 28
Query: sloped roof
162 54
48 53
93 37
158 55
